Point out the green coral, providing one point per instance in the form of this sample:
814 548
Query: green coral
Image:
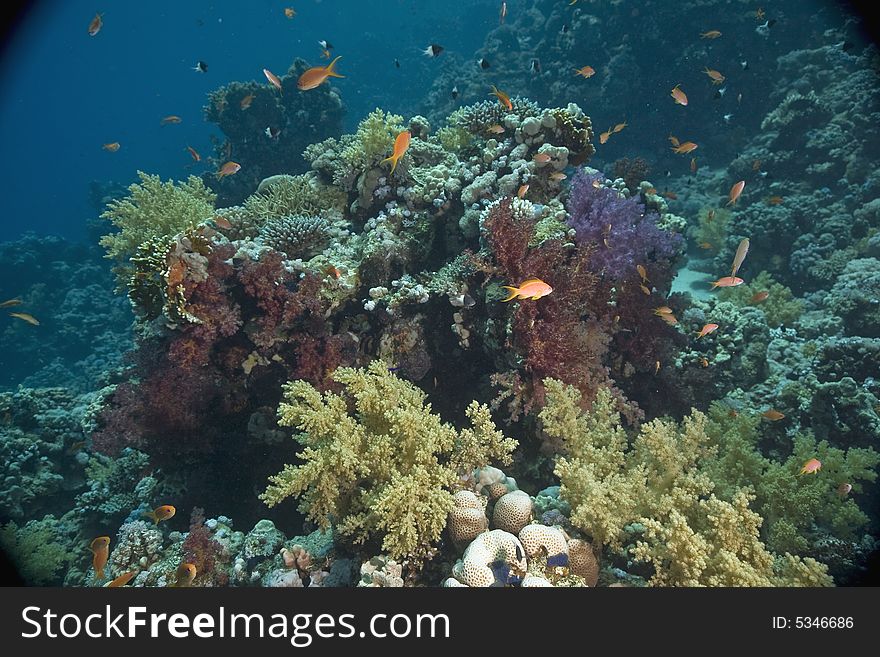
374 139
713 227
660 488
377 463
781 306
154 209
283 196
35 549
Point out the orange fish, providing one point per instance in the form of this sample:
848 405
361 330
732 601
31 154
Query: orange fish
585 71
662 310
333 271
160 513
186 573
759 297
651 191
541 158
669 318
644 289
774 200
503 98
122 580
317 75
673 140
727 281
679 96
693 165
496 129
557 176
704 362
685 148
194 153
844 489
273 79
533 289
112 147
223 223
619 127
773 415
604 136
717 78
289 12
228 169
246 101
735 191
672 196
523 189
706 330
30 319
173 118
100 553
811 467
705 245
741 252
711 34
325 54
400 146
11 302
643 273
96 24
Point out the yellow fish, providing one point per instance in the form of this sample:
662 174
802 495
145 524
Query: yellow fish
533 289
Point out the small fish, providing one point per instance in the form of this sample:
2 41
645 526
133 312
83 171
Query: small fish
289 12
844 489
26 317
317 75
764 28
502 13
669 318
245 102
727 118
100 552
656 367
496 129
710 215
433 50
541 158
122 580
679 96
523 189
811 467
396 63
759 14
173 118
564 28
673 140
186 573
222 223
719 93
272 133
400 146
759 297
672 196
735 191
744 65
706 330
704 362
228 169
741 252
662 310
111 147
711 34
585 71
773 415
727 281
651 191
685 148
160 513
326 45
200 67
273 79
454 92
483 63
96 24
503 98
716 76
643 273
605 135
333 271
194 154
9 303
558 176
693 165
533 288
535 66
706 245
643 288
774 200
619 127
325 54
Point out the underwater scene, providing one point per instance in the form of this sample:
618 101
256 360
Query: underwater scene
401 293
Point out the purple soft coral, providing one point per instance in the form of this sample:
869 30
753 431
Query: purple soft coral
620 229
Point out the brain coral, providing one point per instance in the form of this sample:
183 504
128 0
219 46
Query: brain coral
467 519
513 511
488 547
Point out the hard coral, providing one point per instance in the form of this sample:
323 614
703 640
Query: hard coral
377 461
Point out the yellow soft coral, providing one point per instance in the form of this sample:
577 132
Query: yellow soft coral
377 463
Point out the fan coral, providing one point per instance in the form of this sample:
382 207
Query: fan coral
386 469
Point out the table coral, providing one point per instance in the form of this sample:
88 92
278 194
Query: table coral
386 469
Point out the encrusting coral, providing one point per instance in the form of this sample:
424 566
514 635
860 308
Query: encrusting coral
377 463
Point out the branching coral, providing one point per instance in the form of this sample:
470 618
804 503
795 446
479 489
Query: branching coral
780 306
377 462
659 490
